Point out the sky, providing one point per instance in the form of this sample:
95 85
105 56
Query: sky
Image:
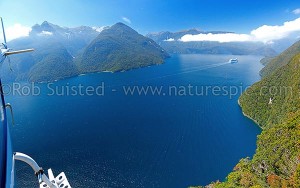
145 16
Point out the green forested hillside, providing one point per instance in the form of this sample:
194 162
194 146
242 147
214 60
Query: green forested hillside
120 48
264 61
282 87
57 64
276 162
280 60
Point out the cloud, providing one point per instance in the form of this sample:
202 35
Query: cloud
224 37
296 11
15 31
45 33
169 40
100 29
127 20
265 33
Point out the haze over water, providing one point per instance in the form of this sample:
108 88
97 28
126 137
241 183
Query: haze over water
119 140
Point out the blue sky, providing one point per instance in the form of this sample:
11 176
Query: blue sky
152 15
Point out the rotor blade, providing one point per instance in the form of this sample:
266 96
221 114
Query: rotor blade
4 37
17 52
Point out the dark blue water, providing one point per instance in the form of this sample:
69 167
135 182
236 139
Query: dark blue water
119 140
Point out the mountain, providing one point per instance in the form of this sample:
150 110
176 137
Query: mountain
170 41
55 50
73 39
276 162
62 52
120 48
281 60
206 47
165 35
57 64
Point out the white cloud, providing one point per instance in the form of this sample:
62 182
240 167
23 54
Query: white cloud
127 20
265 33
100 29
296 11
169 40
224 37
15 31
45 33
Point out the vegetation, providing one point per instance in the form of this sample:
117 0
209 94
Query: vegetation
280 60
266 60
64 52
120 48
282 87
54 66
276 162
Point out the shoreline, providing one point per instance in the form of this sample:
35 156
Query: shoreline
95 72
246 115
252 119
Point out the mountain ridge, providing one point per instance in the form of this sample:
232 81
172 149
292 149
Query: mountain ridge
60 52
275 63
116 48
164 35
170 41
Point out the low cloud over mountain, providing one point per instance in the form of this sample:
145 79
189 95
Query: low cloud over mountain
265 34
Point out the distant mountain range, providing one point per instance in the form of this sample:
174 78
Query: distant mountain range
167 35
62 52
170 41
